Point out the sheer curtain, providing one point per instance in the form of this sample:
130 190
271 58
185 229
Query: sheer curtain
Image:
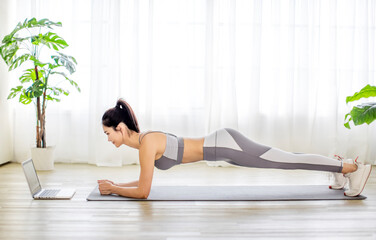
6 147
277 71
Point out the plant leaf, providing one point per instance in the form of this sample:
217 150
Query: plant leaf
60 73
53 41
35 40
367 91
363 113
57 91
37 62
14 92
347 124
46 23
8 38
9 51
29 75
30 24
67 61
35 90
19 61
24 99
49 98
73 83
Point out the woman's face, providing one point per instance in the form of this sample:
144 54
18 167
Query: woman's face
113 135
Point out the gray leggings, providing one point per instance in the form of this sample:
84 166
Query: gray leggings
233 147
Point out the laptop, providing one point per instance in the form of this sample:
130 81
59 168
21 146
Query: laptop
35 188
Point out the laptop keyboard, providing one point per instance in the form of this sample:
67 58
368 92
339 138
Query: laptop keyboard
49 193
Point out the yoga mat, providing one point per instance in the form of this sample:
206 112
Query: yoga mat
233 193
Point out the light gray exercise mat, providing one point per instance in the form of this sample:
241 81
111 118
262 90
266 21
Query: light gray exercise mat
233 193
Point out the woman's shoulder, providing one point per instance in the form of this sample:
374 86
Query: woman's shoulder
153 142
149 134
151 138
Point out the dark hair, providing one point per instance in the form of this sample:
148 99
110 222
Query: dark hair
122 112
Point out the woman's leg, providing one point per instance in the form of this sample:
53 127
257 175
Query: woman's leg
233 147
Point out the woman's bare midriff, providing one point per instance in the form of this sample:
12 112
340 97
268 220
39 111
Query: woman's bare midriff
193 148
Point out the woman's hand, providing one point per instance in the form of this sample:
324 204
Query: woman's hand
115 184
106 186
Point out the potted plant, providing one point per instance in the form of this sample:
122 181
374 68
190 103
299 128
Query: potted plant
362 113
23 47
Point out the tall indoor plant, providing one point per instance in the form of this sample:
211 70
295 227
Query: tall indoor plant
23 47
362 113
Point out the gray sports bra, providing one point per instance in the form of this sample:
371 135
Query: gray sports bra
173 154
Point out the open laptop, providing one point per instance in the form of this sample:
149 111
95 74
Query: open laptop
35 188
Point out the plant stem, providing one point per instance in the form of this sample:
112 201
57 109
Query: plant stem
44 113
39 117
39 140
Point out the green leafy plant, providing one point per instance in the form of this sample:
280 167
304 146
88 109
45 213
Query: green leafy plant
362 113
23 47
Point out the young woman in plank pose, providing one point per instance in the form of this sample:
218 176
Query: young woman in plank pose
164 150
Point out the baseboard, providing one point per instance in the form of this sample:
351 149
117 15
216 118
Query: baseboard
4 163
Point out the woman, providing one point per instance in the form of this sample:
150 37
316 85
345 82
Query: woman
164 150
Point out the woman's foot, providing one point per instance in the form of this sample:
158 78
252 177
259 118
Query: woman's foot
338 179
358 179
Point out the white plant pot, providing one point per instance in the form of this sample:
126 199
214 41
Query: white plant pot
43 158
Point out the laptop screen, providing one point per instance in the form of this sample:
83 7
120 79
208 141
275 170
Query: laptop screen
31 176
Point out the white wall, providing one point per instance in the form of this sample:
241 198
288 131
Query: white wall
6 125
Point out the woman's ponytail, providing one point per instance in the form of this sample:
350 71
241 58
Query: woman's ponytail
122 112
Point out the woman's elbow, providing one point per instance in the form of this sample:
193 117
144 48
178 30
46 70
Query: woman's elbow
144 194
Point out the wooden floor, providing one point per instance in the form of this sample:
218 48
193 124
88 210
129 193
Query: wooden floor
21 217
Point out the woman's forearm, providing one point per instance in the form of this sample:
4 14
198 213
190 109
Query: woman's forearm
130 184
131 192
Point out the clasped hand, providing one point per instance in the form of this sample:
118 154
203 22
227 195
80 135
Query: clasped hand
105 186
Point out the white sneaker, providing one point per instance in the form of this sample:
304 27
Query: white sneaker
358 179
339 180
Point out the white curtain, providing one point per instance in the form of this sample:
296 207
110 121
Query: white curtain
277 71
6 142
